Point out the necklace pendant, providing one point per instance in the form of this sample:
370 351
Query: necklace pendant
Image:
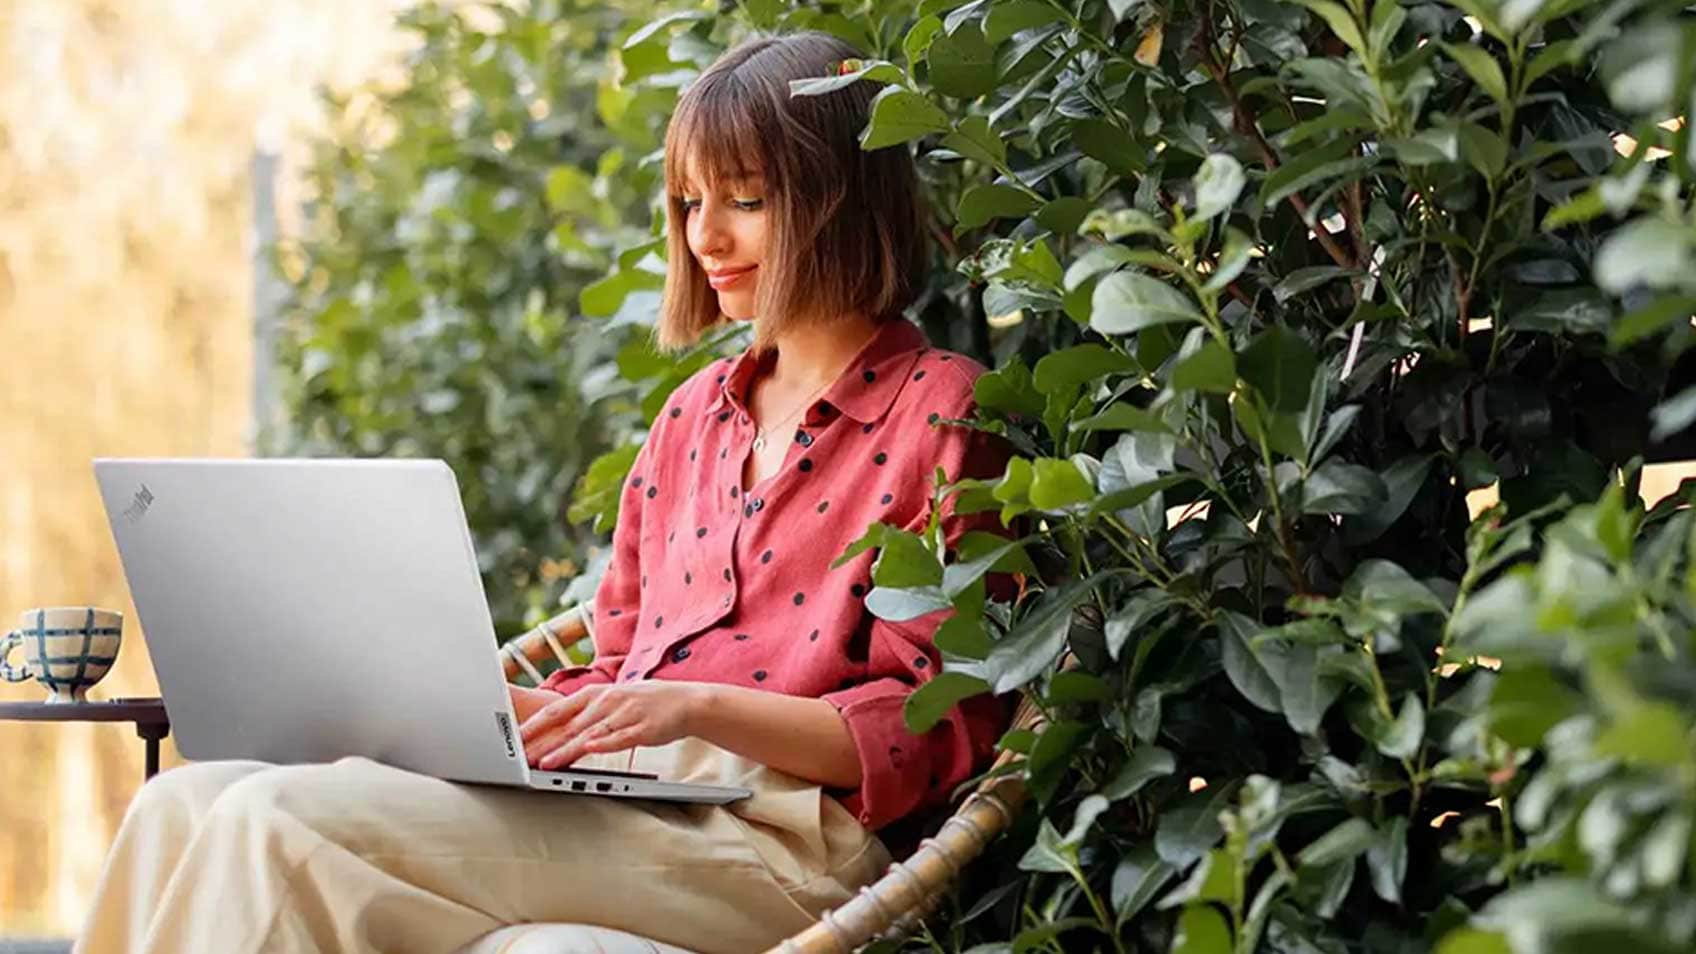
760 443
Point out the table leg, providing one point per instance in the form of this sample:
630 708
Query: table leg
152 734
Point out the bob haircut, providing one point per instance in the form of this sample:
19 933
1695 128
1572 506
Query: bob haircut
846 227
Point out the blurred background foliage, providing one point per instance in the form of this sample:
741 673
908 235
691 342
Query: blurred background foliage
453 221
1279 296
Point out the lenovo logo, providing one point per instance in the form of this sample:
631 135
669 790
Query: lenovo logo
135 511
506 734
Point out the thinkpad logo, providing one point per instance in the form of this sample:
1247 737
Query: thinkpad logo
135 511
506 734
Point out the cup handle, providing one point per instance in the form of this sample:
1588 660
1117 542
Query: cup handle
7 673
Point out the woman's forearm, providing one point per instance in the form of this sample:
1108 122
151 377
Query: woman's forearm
803 737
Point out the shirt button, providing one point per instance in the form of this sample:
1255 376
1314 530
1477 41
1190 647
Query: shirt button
680 654
759 503
748 510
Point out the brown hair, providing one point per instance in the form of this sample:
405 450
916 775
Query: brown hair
846 229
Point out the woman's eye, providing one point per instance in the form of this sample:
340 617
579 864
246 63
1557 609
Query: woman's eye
746 205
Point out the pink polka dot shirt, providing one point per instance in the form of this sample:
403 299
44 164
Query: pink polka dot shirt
713 582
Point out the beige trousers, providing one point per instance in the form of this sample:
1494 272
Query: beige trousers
238 857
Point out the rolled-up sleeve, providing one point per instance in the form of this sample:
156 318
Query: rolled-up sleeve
618 597
902 772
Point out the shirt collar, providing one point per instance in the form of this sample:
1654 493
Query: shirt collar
865 389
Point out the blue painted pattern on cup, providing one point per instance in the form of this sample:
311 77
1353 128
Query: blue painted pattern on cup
66 648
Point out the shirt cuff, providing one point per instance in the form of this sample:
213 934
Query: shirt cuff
572 678
899 772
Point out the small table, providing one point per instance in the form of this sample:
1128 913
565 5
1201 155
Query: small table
148 714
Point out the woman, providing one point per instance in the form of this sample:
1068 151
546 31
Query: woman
727 648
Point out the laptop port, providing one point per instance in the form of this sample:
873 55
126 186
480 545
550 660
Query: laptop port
577 786
559 781
603 786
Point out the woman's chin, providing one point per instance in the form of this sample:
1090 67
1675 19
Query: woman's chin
736 308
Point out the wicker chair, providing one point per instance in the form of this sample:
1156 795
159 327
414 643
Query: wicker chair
890 907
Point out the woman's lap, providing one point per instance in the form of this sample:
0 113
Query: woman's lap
679 872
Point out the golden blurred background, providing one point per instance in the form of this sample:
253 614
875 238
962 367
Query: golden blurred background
138 139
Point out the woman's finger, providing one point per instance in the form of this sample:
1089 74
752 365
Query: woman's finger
602 711
609 708
552 715
611 740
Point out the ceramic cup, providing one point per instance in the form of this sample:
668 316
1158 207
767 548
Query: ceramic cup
66 648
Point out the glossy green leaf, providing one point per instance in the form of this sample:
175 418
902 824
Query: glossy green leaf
1653 317
1474 941
905 561
1147 763
1242 666
918 39
1336 487
1213 369
1341 22
1233 258
1010 388
1386 859
901 115
1123 417
1108 144
1302 170
1649 252
1279 364
1127 301
1400 739
1068 368
1483 69
962 63
926 706
1190 828
900 605
1058 484
877 71
985 202
1348 840
1201 930
1654 733
1137 878
1217 184
973 139
1527 702
1036 641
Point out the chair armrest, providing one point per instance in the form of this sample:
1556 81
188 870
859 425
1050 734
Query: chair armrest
895 903
548 638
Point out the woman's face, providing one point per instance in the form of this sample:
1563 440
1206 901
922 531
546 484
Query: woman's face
725 224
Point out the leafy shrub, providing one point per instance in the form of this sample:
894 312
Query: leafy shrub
1270 288
450 231
1276 286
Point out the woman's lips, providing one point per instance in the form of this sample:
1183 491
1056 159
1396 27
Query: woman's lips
725 281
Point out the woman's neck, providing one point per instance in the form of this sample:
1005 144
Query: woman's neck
811 356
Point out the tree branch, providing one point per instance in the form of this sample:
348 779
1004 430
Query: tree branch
1245 125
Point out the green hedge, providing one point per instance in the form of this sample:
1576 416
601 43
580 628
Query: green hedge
1268 289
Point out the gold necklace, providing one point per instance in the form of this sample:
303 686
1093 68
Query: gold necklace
760 430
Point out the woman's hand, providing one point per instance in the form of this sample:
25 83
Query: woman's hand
525 701
606 718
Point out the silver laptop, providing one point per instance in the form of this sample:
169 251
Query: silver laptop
306 610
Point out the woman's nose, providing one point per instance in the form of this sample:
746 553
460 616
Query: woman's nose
711 236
